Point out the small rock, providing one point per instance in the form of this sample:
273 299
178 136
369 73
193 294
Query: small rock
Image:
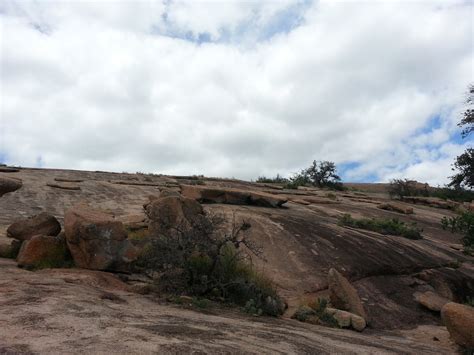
431 300
358 323
346 319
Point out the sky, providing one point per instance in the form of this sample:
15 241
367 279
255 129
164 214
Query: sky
236 88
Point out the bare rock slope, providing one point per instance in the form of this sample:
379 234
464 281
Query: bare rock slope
301 242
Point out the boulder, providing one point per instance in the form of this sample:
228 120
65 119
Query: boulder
96 240
43 223
230 196
343 295
459 319
346 319
431 300
43 251
395 207
9 185
168 213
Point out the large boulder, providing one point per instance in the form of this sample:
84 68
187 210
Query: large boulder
96 240
431 300
168 213
230 196
43 251
343 295
459 319
42 223
9 185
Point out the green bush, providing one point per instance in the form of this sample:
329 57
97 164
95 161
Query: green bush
389 226
464 223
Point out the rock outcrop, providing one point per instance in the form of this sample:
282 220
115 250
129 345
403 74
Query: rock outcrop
9 185
43 223
43 251
172 212
459 319
395 207
204 194
431 300
343 295
96 240
433 202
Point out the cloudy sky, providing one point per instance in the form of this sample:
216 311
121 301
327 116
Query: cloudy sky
236 88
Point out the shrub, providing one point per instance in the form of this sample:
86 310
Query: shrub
316 310
455 194
205 262
464 223
278 179
390 226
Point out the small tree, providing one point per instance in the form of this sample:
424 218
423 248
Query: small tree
323 173
319 174
464 163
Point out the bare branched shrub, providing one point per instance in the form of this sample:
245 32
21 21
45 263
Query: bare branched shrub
206 260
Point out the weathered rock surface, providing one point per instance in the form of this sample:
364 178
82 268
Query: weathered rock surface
433 202
38 308
9 185
343 295
43 223
396 207
231 196
64 186
431 300
459 319
96 240
43 251
172 212
61 179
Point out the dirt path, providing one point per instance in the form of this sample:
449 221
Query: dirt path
68 311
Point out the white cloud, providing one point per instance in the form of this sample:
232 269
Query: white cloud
109 86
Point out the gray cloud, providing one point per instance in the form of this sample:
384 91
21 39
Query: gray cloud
354 82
